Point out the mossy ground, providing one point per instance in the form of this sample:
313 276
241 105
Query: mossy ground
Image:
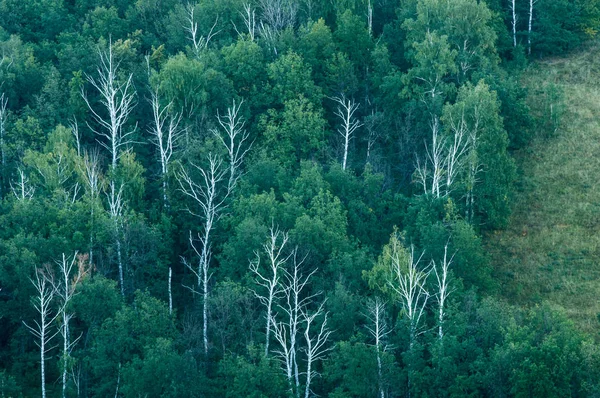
550 250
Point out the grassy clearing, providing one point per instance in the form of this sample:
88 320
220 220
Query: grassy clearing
551 248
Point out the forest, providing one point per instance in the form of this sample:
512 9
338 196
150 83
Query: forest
293 198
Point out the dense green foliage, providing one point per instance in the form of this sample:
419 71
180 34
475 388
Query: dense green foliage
169 291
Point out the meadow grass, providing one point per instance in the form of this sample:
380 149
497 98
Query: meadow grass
550 250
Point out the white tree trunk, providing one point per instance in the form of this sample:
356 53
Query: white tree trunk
233 136
165 137
315 345
117 99
3 115
44 287
274 251
170 294
345 111
379 330
513 10
115 202
207 196
529 27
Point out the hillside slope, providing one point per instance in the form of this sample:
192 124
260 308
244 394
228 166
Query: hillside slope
551 248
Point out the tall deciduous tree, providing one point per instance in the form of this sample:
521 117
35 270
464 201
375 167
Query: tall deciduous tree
90 170
345 111
42 302
115 211
234 137
65 286
379 330
165 137
208 196
3 116
117 100
274 250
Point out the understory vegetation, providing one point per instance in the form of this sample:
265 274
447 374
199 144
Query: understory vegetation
280 198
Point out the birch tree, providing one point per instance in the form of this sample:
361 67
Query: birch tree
429 173
42 302
90 169
66 287
3 116
199 42
118 100
276 16
207 195
234 138
408 283
293 307
513 10
379 329
458 147
316 343
22 189
529 25
443 288
115 211
74 126
170 292
345 111
166 133
445 157
269 280
249 17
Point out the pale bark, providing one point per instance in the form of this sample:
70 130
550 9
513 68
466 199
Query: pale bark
76 134
513 10
115 211
170 294
208 197
199 41
118 100
42 304
249 17
408 282
91 173
286 332
234 138
3 116
529 27
444 289
22 189
66 289
378 328
345 111
273 249
456 151
165 137
316 348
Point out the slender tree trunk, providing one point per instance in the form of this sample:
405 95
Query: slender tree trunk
346 142
529 26
119 259
66 344
43 357
3 103
269 321
165 187
118 381
379 373
92 233
514 22
308 377
170 295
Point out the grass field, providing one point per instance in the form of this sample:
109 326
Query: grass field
551 249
